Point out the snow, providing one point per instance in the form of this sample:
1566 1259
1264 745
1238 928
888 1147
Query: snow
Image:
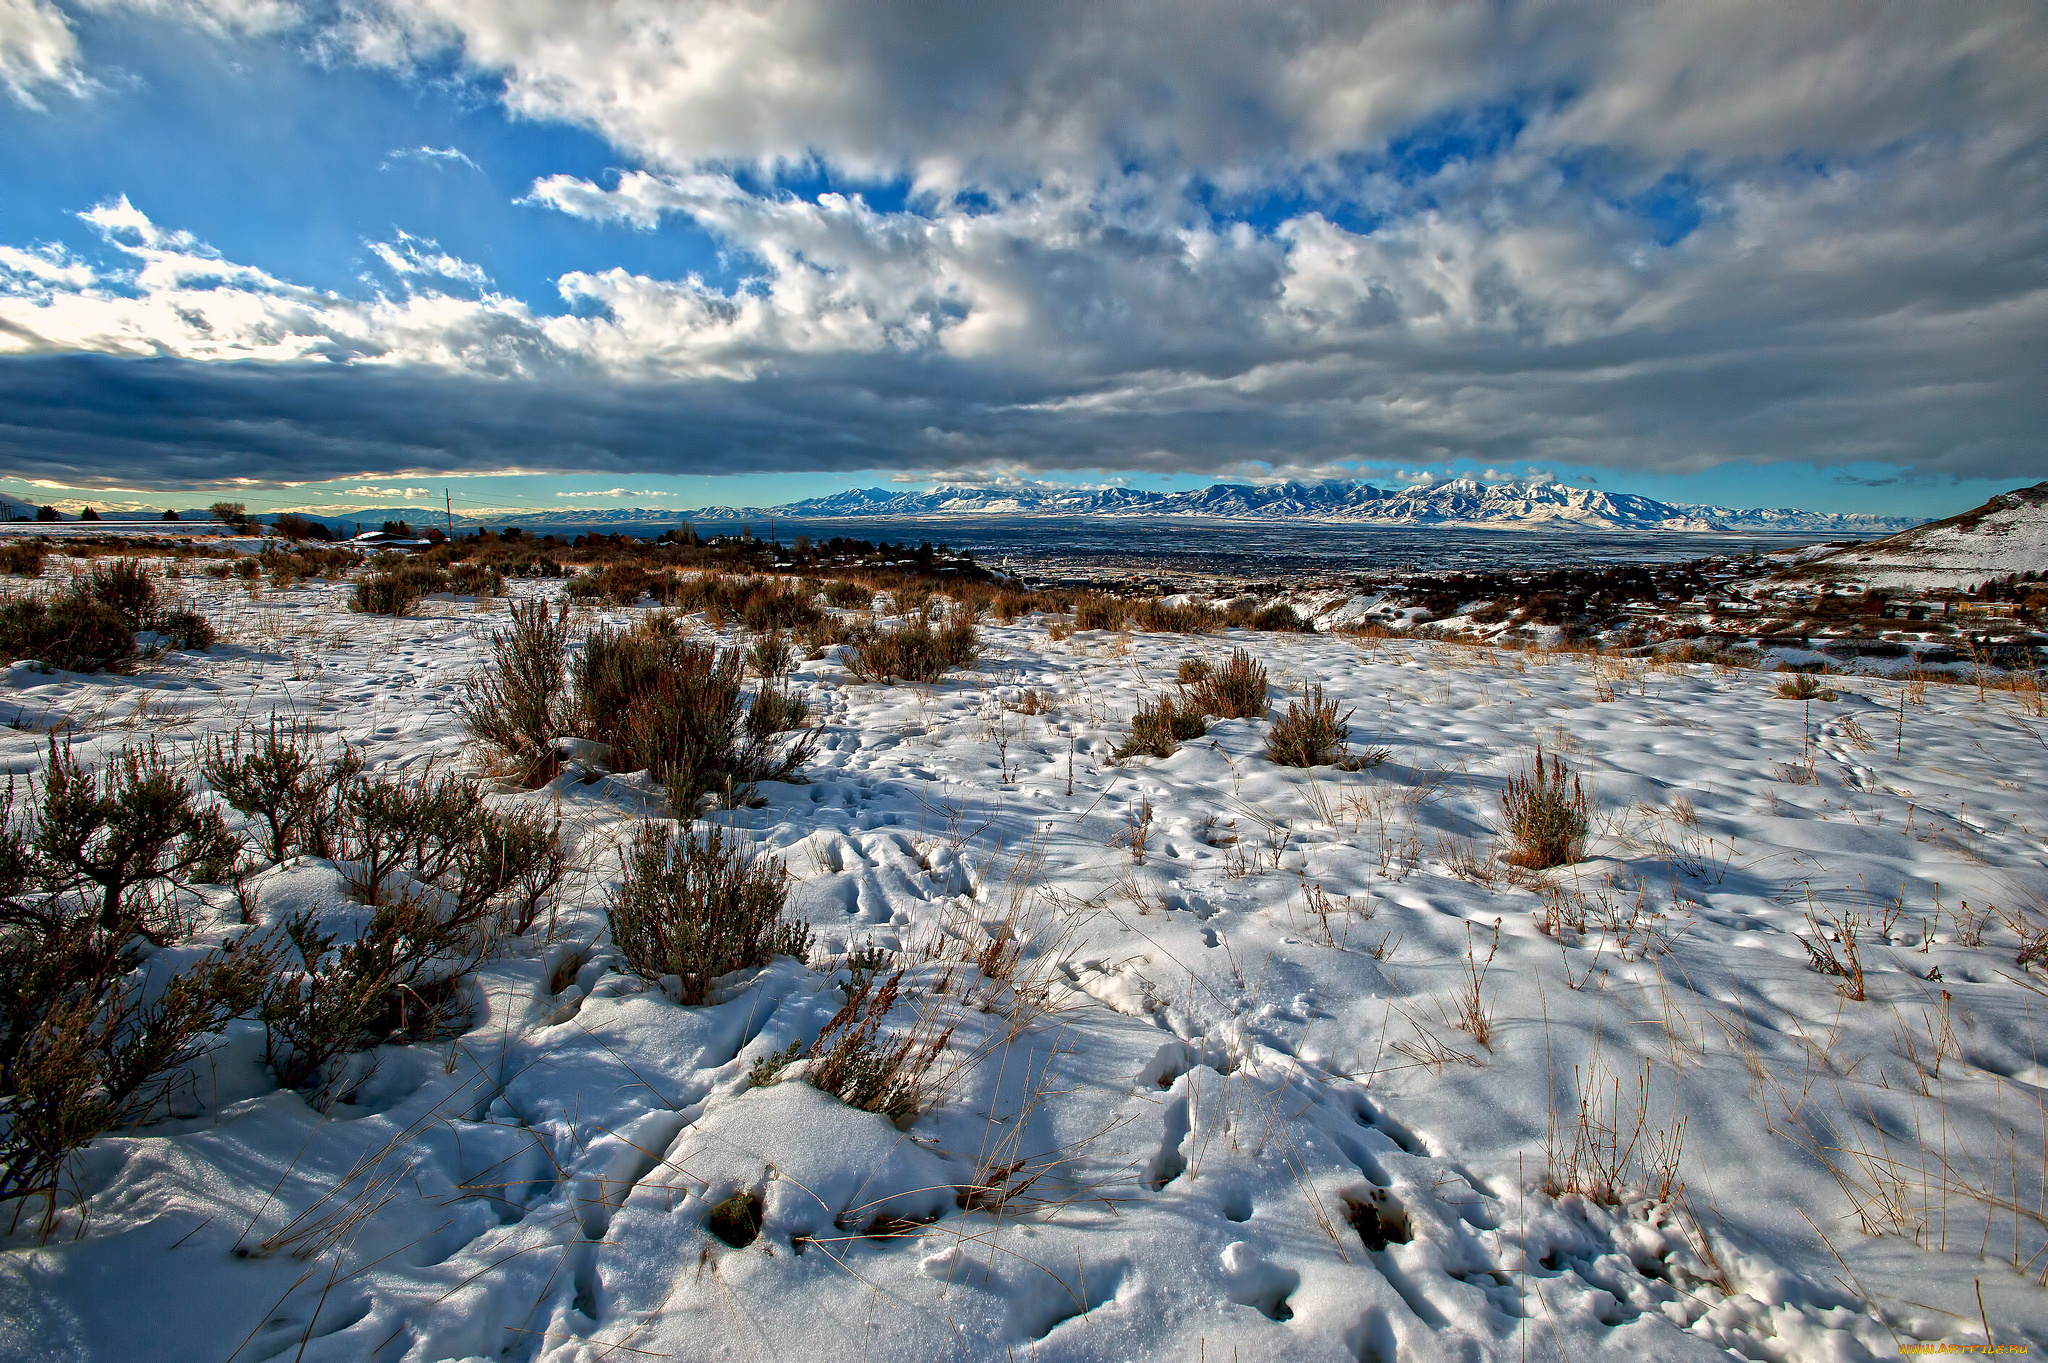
1209 1069
2008 534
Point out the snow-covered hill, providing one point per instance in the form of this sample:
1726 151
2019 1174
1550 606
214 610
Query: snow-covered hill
2008 534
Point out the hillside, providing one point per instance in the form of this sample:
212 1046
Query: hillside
2008 534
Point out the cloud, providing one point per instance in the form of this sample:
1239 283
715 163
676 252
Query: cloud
37 51
1024 94
397 494
1289 240
616 492
220 17
410 255
433 156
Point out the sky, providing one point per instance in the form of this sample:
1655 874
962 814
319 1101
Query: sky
308 254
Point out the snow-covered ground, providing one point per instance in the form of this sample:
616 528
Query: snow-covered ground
1211 1068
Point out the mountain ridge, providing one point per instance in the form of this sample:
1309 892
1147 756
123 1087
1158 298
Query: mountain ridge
1461 504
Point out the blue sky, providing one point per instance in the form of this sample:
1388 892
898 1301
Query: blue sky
608 252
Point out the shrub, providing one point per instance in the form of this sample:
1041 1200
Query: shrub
1193 670
697 904
271 773
814 640
1100 612
475 579
476 873
775 710
1235 690
1311 733
71 630
519 703
1158 728
1280 616
186 629
399 979
89 1047
854 1061
125 586
129 835
673 706
89 874
779 610
915 652
619 582
1160 618
771 655
397 591
23 558
849 595
1803 686
1546 816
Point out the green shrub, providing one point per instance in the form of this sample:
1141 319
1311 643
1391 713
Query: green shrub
1311 733
771 655
622 583
475 579
673 707
915 652
519 703
1159 618
126 587
779 610
1235 690
272 773
1545 813
186 629
1803 686
775 710
1281 616
477 874
1157 729
91 875
697 904
397 591
71 630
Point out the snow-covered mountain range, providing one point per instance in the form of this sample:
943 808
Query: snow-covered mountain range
1461 504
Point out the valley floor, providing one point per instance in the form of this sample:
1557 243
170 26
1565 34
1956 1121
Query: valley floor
1289 1065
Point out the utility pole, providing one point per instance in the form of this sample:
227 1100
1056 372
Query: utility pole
448 506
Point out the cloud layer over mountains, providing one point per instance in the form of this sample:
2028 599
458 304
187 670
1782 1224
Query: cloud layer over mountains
1132 236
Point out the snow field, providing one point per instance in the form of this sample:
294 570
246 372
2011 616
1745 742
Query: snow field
1224 1099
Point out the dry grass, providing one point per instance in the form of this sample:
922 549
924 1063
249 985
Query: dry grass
1475 1016
1607 1148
